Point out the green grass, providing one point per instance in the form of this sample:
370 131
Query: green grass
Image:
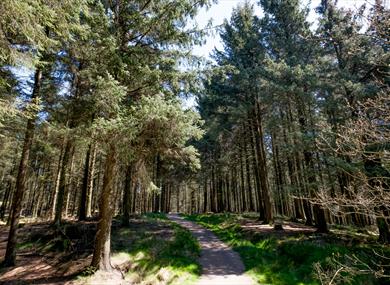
155 216
158 251
25 245
287 260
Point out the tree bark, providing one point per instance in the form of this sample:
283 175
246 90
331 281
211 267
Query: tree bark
91 182
254 147
101 253
86 190
319 213
127 196
249 205
61 190
263 167
6 198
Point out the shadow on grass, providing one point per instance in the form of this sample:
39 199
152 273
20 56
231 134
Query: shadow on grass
289 260
159 251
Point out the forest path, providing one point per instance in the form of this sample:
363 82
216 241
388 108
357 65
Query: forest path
220 264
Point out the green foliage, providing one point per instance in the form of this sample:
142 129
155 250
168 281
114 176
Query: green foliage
155 216
90 270
31 22
164 128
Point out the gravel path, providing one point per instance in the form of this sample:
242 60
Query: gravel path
220 264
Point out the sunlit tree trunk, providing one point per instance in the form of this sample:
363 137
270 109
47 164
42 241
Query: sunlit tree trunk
102 250
85 186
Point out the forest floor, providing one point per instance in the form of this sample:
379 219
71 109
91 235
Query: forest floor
299 255
156 251
220 264
36 263
152 250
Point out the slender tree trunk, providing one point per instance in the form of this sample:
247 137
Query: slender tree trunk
8 192
178 198
192 201
254 146
127 196
37 200
169 191
10 254
54 196
249 206
84 188
32 188
71 188
85 207
242 180
384 228
91 179
6 198
263 167
134 196
213 199
205 195
61 190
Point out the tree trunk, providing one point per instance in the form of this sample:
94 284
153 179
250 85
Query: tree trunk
249 205
53 198
319 213
71 187
127 196
86 190
91 177
6 198
384 229
204 195
263 167
10 254
101 253
61 190
244 206
254 147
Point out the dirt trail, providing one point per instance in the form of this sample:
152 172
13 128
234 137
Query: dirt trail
220 264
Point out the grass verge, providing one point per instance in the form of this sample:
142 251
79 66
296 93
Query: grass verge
302 259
